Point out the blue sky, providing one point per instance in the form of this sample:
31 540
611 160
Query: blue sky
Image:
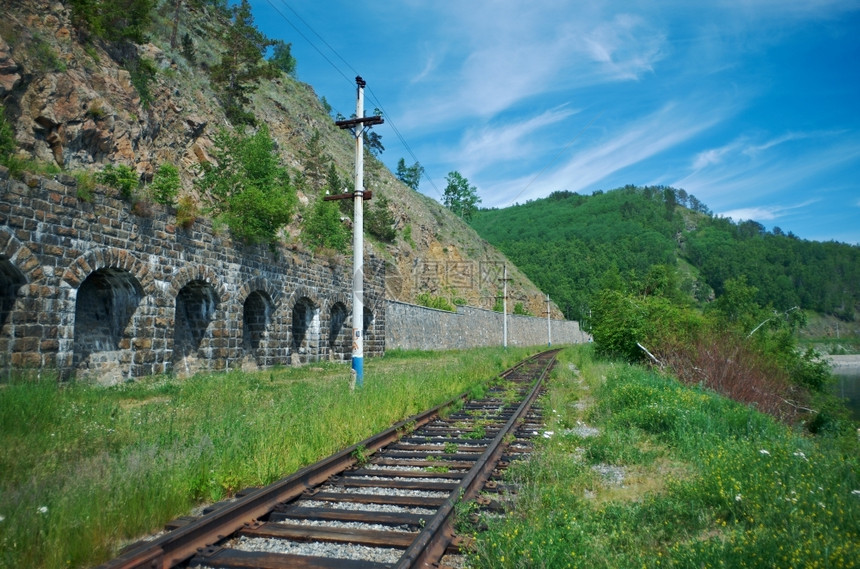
751 106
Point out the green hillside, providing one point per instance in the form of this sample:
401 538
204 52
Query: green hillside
572 246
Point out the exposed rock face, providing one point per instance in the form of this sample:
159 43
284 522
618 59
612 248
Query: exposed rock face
9 76
75 101
76 104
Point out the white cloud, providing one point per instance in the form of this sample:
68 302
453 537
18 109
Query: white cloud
483 147
763 213
626 47
428 69
744 177
502 54
713 156
650 135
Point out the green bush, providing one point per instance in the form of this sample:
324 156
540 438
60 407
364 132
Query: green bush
8 144
323 228
521 310
432 301
247 187
165 185
380 221
113 20
86 184
142 73
121 178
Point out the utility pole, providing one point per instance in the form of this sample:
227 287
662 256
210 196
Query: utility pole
548 327
505 280
357 126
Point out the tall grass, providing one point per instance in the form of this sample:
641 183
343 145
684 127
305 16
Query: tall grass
707 482
86 469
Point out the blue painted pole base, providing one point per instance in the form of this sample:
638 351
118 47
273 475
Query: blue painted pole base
358 368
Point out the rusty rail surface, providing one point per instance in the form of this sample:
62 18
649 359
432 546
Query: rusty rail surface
200 536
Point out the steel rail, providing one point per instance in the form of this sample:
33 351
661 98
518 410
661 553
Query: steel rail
431 544
182 543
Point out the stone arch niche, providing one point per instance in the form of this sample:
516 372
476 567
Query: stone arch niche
368 321
104 305
196 303
305 331
11 279
338 337
256 317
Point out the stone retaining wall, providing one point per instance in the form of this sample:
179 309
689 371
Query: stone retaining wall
91 289
413 327
104 291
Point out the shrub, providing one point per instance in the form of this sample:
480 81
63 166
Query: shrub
380 221
432 301
121 178
8 143
186 211
86 184
142 73
165 185
247 187
521 310
324 229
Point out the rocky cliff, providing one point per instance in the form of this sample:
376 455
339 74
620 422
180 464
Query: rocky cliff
77 103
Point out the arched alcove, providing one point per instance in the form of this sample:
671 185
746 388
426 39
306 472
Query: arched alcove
305 331
196 304
11 279
256 316
104 305
368 321
337 338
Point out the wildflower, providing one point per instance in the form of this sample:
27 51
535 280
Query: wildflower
2 517
43 509
548 434
855 492
764 452
738 497
801 455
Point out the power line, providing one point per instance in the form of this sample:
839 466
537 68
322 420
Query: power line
312 44
322 39
375 99
402 140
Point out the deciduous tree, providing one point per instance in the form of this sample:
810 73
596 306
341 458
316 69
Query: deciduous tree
460 197
409 175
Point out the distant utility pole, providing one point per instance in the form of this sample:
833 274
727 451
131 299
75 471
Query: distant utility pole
357 126
548 327
505 280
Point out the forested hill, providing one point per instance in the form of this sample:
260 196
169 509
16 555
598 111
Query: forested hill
572 245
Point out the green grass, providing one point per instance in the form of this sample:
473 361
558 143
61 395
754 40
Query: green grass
707 482
86 469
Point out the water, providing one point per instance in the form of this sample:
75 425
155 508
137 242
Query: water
848 386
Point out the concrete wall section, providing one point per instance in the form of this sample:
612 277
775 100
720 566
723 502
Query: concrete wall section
412 327
92 289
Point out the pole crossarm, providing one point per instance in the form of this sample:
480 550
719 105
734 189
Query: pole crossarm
366 195
352 123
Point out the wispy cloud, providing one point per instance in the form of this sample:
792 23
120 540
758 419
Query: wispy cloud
523 51
429 67
665 128
743 171
484 147
714 155
625 47
764 213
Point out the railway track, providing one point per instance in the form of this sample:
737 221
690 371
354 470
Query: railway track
387 502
